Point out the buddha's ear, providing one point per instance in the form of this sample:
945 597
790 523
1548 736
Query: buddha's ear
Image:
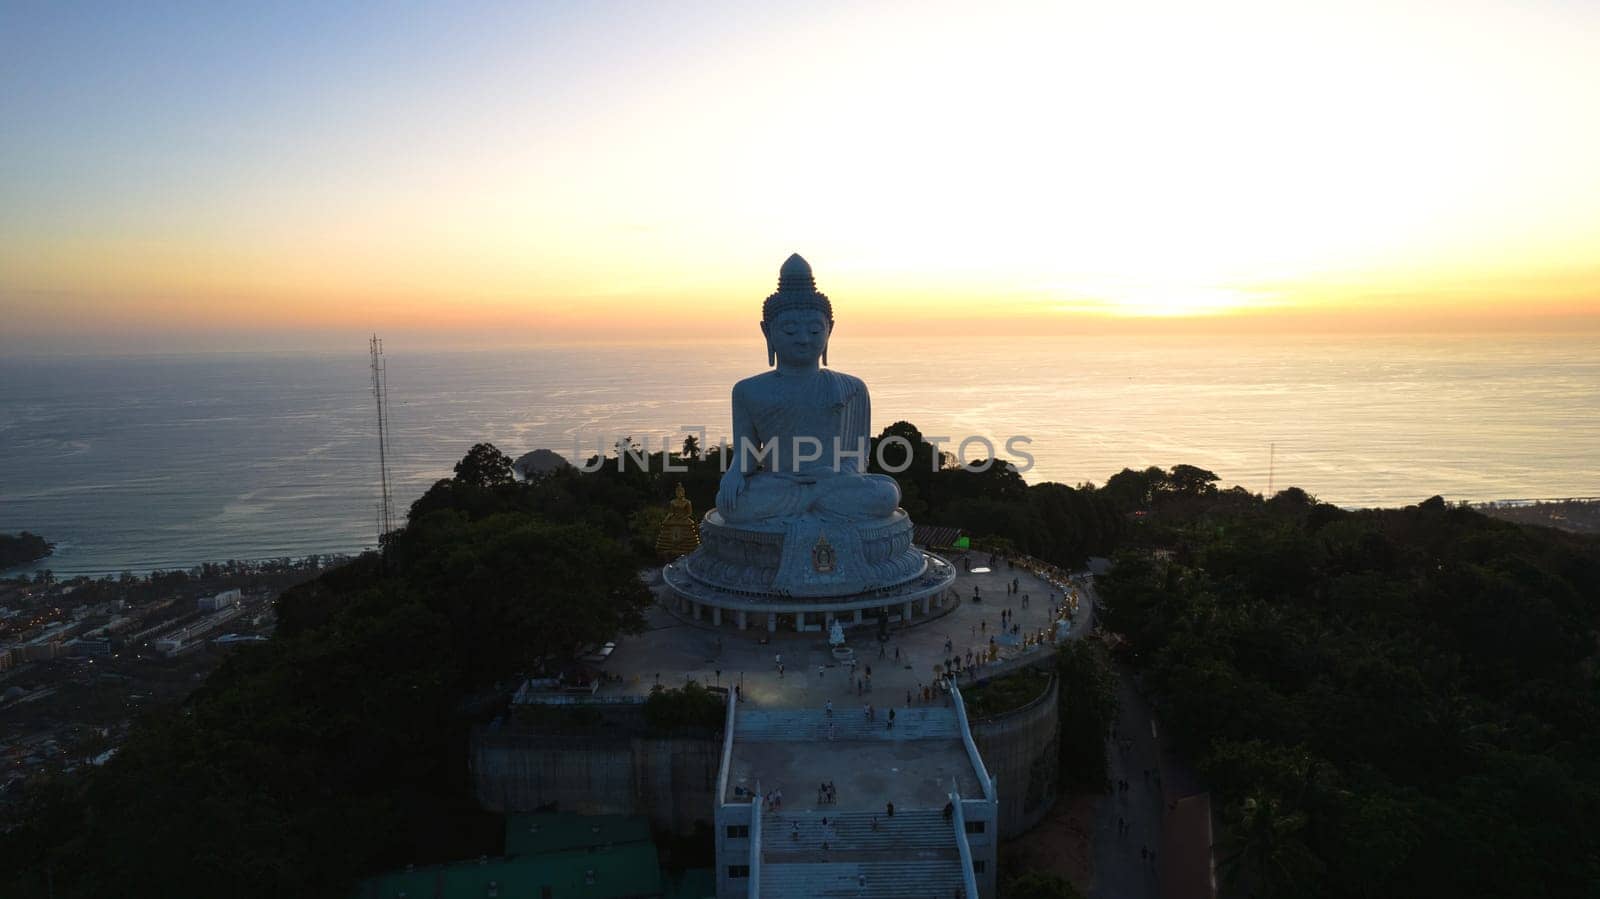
772 356
825 343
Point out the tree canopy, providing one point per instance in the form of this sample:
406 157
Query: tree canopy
484 466
1389 702
339 747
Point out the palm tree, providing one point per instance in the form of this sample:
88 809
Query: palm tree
1263 854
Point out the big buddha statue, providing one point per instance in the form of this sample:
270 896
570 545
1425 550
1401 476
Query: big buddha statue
806 424
796 514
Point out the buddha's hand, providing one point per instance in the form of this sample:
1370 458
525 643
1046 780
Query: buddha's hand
733 484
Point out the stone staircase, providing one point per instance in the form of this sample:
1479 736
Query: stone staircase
912 854
848 723
794 836
908 878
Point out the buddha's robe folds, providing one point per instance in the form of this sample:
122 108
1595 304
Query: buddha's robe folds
789 416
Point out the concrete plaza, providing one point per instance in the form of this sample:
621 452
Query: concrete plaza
674 649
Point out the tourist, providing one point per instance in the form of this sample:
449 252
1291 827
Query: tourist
908 697
820 669
891 719
889 810
795 833
874 823
828 707
949 810
1024 600
780 670
897 652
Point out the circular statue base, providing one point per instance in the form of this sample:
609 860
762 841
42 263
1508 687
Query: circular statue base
910 602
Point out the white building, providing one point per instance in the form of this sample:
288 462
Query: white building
221 601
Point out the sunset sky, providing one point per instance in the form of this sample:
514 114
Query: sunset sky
194 175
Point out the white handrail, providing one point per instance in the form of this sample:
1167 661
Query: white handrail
964 849
984 780
727 749
755 848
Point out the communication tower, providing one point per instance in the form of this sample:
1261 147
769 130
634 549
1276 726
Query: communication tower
380 394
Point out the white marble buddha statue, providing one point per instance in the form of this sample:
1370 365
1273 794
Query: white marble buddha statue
800 430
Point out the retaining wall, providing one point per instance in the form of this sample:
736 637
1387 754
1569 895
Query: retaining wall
673 780
1021 749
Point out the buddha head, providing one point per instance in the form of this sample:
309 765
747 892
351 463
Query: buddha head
797 320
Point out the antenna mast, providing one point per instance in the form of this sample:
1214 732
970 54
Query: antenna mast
380 394
1272 460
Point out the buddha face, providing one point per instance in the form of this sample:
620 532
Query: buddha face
798 337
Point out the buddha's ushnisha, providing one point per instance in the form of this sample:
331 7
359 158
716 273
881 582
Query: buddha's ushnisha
800 430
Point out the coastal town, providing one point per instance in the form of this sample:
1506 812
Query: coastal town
82 658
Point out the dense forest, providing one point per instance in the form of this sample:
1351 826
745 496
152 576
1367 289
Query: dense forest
1385 703
339 747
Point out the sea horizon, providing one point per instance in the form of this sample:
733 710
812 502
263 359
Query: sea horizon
161 461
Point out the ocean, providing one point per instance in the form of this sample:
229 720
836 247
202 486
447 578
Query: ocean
147 462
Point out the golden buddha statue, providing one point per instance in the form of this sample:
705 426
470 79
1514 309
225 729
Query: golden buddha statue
679 534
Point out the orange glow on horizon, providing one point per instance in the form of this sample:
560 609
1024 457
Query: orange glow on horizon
1040 169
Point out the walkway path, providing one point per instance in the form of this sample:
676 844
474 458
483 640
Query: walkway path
1120 872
